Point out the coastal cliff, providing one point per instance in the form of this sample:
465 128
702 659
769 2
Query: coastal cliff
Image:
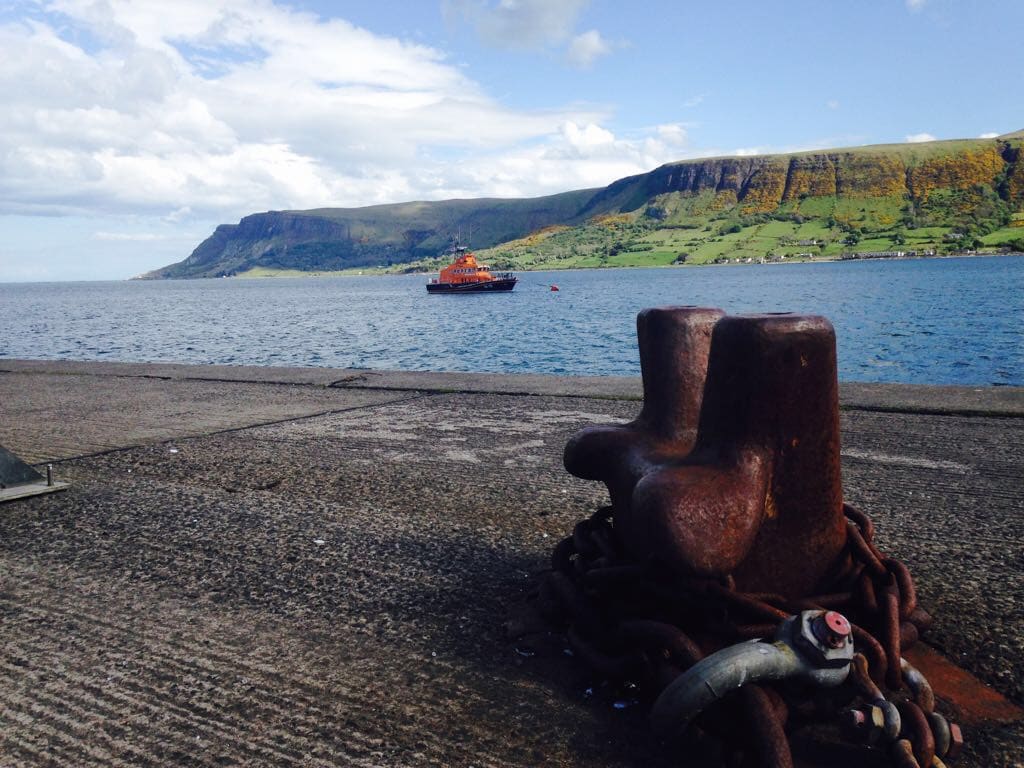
345 238
934 196
760 184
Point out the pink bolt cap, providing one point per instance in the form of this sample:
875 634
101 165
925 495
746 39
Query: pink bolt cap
837 623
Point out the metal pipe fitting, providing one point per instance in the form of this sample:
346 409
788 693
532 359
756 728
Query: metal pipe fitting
796 652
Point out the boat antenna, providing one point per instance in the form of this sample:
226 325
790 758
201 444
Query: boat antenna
458 236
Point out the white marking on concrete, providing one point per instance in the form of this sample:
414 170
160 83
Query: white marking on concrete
466 456
907 461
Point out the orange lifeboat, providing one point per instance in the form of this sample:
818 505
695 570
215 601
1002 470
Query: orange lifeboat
464 275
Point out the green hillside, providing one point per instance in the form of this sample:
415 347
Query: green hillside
877 201
882 201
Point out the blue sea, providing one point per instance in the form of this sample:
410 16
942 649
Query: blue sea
931 321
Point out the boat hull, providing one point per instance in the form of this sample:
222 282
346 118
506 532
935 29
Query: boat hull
486 286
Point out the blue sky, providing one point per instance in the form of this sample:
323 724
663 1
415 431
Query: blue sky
131 128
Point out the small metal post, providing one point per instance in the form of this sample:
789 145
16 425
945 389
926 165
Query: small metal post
49 474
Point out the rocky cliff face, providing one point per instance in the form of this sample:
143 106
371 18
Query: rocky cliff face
1015 176
761 184
345 238
285 240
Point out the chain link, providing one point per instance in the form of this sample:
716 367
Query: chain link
636 623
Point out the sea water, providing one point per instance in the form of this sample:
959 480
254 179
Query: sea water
928 321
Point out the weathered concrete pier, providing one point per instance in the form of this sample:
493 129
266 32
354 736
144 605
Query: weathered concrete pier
274 566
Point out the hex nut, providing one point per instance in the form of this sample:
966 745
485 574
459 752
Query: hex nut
808 641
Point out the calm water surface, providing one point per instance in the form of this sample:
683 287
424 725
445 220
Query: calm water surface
937 321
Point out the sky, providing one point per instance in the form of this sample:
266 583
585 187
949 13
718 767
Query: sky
130 129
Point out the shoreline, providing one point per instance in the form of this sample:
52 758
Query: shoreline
369 272
948 399
378 272
13 363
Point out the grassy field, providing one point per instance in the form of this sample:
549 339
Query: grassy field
692 233
689 230
710 227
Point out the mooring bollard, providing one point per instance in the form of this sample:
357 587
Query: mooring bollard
674 347
727 526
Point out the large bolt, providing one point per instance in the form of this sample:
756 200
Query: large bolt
865 726
820 635
832 629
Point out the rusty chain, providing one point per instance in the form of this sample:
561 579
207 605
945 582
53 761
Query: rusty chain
636 623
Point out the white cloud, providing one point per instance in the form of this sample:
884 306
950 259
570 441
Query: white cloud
533 24
128 236
587 137
990 135
672 134
179 214
832 104
584 49
227 107
917 138
916 5
519 23
581 156
694 101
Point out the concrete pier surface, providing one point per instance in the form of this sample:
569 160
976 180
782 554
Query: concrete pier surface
273 566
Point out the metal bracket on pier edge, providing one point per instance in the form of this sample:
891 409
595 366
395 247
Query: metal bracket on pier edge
18 480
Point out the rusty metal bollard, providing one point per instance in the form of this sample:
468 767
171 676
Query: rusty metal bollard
732 466
727 525
674 345
726 531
